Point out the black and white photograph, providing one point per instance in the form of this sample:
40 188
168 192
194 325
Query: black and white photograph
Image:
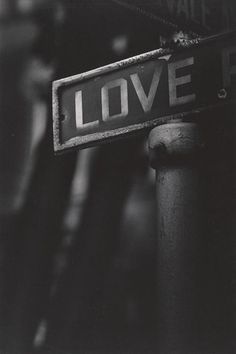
117 177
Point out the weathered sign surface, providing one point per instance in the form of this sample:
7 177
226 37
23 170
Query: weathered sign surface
141 92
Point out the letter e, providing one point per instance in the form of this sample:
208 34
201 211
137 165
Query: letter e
174 82
228 69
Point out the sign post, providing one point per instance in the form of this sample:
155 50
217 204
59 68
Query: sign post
175 153
169 93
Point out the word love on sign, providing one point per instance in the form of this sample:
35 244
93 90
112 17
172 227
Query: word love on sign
144 91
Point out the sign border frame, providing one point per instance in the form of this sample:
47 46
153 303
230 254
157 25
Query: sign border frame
81 142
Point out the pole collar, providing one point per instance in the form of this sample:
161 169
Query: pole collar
174 142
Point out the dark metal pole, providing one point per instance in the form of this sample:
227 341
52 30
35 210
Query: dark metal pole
196 168
174 153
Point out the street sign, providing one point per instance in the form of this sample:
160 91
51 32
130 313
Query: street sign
202 17
144 91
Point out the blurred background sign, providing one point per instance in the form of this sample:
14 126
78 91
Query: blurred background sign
201 17
140 92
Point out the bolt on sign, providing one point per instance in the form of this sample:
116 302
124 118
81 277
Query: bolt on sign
144 91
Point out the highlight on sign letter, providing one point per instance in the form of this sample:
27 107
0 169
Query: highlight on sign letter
122 84
228 69
147 101
79 113
175 81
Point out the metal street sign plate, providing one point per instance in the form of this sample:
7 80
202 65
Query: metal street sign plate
144 91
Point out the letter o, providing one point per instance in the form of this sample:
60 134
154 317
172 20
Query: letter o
122 83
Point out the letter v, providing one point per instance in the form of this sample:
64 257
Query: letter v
147 101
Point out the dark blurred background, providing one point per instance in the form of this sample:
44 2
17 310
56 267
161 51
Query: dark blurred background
77 231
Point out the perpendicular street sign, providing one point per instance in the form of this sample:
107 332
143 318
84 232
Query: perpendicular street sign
141 92
202 17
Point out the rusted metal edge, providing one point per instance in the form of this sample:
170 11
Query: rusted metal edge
56 129
101 138
86 141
